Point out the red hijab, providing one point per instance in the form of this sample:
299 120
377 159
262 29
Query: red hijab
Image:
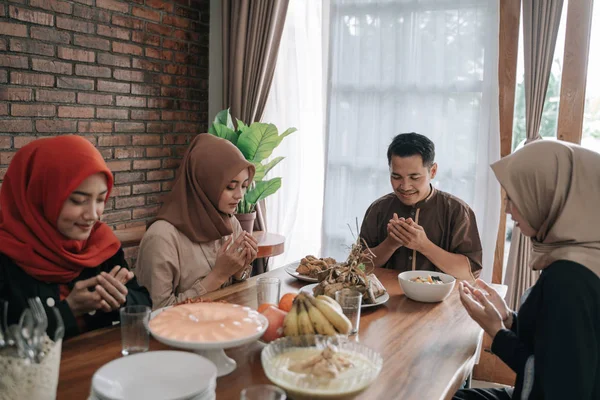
40 178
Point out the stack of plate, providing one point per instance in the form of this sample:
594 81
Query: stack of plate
164 375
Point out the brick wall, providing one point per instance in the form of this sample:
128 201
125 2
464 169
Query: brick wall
131 76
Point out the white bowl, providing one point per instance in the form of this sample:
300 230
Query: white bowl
300 387
423 292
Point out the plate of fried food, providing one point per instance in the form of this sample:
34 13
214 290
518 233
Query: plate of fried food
309 267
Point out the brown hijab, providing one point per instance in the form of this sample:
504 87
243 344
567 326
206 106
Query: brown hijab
208 166
556 187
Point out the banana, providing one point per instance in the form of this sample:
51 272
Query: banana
320 322
341 323
305 326
331 301
290 323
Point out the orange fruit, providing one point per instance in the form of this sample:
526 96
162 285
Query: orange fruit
287 301
264 306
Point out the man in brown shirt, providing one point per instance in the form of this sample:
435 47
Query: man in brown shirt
417 226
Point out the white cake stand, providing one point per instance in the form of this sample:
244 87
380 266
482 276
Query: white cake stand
214 351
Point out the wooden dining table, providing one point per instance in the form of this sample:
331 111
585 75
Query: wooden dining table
428 349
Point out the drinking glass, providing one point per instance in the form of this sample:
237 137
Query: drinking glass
134 329
350 300
267 290
262 392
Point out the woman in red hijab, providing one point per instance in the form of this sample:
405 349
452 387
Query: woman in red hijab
52 243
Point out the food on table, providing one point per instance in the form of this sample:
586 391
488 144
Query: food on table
311 265
264 306
430 280
206 322
310 315
329 363
275 328
286 301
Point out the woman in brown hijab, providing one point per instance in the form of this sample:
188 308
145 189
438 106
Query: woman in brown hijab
553 344
196 245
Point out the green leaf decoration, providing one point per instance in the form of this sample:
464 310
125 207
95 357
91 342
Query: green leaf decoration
224 132
263 169
262 189
258 142
240 124
224 118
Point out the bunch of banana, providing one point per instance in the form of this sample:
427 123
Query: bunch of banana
315 315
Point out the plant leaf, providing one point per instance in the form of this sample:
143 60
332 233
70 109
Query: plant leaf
224 118
287 132
240 124
224 132
258 142
267 167
262 189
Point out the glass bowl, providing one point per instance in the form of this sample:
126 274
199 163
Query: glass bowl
367 365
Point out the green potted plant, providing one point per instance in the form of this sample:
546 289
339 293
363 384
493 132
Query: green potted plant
256 142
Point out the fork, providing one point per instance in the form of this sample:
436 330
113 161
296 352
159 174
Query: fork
60 326
41 324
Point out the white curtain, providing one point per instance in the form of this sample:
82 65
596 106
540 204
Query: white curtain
428 66
297 99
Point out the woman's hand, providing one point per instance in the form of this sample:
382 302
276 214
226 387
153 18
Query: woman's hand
494 298
251 244
81 300
480 309
112 289
231 258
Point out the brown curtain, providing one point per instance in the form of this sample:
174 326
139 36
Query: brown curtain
251 35
541 19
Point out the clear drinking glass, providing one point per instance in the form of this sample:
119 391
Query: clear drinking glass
262 392
267 290
134 329
350 300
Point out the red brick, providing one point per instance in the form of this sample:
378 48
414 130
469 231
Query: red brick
114 87
53 5
176 69
173 92
31 46
114 140
145 89
77 55
53 96
128 101
146 164
175 139
31 79
161 103
34 17
127 22
5 142
121 190
21 141
116 216
88 2
160 5
145 115
171 163
178 151
111 113
129 127
3 173
146 140
74 25
7 28
111 59
15 125
158 151
187 13
96 99
55 67
6 156
56 126
4 108
159 127
166 186
107 153
90 70
92 42
132 152
128 177
174 115
147 65
172 44
12 61
3 45
161 54
146 188
75 112
146 38
32 110
3 76
145 212
95 127
145 13
160 29
113 5
167 80
159 175
126 202
187 127
176 21
74 83
115 166
126 48
2 14
125 75
91 13
49 35
117 33
109 205
192 106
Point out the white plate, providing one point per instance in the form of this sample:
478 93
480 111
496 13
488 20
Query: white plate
378 301
291 269
172 375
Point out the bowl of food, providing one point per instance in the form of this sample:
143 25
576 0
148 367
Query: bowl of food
320 367
426 286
